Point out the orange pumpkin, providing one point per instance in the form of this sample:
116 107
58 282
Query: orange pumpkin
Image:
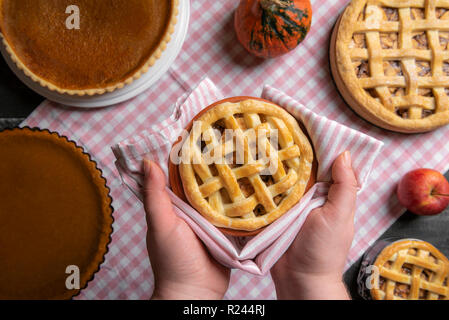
270 28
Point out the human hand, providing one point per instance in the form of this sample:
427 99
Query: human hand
183 269
312 268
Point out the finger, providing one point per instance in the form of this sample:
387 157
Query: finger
158 206
343 192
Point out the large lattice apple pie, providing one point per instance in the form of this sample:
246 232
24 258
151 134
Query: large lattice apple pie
390 61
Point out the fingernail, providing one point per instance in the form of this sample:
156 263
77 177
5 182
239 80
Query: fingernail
347 159
147 167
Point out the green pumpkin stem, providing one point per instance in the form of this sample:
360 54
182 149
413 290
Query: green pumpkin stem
269 5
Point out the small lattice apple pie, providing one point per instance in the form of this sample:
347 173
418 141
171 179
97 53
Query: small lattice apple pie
411 270
390 61
245 164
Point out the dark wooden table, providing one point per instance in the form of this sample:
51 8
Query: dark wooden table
17 102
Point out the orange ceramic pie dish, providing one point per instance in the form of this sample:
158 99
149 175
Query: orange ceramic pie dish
117 41
55 212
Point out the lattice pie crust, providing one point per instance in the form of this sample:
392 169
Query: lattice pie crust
411 269
241 196
391 62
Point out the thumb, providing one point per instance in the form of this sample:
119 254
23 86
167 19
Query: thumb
343 192
159 210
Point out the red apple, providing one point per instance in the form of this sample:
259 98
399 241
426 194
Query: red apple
424 192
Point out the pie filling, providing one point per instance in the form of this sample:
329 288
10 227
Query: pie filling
389 40
390 14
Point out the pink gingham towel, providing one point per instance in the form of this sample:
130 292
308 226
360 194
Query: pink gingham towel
259 253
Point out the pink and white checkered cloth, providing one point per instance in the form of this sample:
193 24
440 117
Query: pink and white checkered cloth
258 254
212 50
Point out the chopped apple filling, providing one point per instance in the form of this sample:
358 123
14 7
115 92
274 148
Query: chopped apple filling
442 13
358 41
389 40
420 41
391 14
444 39
446 68
361 69
423 68
393 68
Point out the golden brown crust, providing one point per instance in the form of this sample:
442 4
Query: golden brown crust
241 211
50 227
411 269
135 72
383 111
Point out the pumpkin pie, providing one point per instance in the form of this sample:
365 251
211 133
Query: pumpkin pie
390 62
55 213
117 41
